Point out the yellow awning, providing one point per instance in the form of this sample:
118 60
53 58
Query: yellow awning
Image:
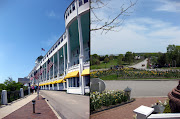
54 82
60 81
85 72
72 74
64 81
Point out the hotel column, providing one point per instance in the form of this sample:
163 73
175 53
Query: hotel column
81 55
58 69
49 77
46 76
64 56
53 66
68 49
53 73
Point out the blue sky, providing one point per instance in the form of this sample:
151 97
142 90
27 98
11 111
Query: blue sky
151 27
25 28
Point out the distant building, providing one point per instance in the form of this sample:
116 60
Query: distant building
137 57
24 81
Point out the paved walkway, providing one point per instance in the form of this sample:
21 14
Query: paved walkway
143 88
68 106
126 111
42 111
141 65
4 111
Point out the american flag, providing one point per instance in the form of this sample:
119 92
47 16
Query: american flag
36 75
41 70
42 49
49 65
31 78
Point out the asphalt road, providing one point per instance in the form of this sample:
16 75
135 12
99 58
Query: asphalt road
143 88
68 106
141 65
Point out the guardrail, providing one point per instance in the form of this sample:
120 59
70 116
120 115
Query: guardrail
9 96
0 98
13 95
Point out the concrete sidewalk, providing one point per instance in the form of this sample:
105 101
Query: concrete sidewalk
6 110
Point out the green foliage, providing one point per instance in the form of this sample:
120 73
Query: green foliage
107 98
129 57
10 85
153 60
2 87
167 108
106 60
120 58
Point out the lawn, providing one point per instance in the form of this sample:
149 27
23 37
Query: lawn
112 63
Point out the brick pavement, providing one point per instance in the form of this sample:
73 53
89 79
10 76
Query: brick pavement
42 111
126 111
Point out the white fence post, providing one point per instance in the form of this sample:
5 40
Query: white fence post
21 92
4 97
143 112
29 91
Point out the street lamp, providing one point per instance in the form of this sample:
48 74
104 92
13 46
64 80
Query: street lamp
127 92
158 108
33 102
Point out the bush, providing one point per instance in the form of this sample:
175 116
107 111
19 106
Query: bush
107 98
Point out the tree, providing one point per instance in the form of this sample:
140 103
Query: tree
113 21
11 85
106 60
153 60
2 87
111 57
173 55
120 57
162 59
129 57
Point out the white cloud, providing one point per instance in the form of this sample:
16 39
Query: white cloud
51 13
137 35
169 6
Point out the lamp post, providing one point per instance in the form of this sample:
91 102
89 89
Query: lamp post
127 92
33 102
158 108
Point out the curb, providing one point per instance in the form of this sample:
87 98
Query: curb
145 80
57 115
151 97
123 103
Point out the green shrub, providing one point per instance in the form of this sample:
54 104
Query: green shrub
107 98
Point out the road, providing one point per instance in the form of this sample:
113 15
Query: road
143 88
141 65
68 106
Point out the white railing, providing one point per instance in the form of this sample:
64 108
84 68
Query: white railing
73 68
144 112
71 11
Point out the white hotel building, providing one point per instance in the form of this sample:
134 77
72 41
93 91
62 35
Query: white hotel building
70 54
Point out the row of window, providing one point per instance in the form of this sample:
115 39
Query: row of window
54 47
72 7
